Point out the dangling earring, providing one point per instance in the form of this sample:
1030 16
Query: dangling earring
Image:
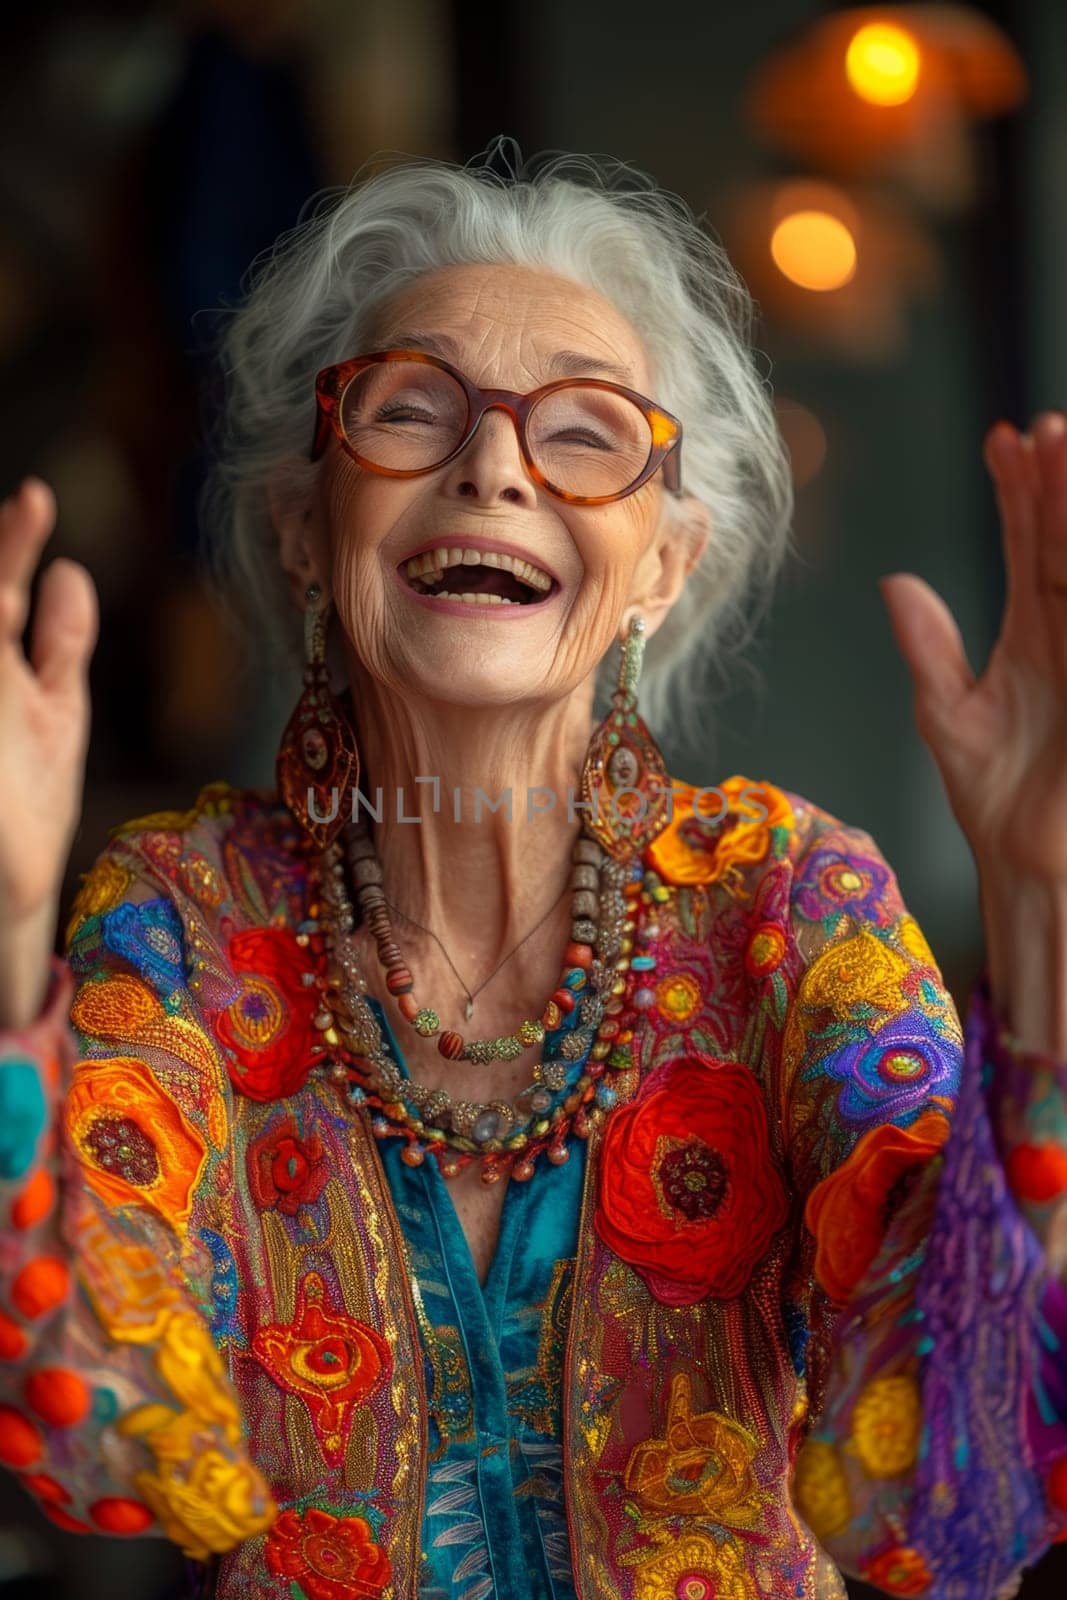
624 779
318 762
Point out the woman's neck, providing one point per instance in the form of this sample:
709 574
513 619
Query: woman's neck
480 878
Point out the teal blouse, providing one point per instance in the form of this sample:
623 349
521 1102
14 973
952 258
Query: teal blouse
494 1521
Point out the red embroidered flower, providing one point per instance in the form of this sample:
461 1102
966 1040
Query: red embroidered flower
331 1558
850 1209
268 1032
285 1171
331 1360
688 1193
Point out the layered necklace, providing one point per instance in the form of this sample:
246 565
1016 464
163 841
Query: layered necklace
589 1018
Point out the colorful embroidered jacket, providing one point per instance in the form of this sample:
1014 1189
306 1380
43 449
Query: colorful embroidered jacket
815 1319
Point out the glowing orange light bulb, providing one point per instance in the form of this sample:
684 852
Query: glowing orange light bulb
882 63
814 249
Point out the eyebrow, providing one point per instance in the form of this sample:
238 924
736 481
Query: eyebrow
561 364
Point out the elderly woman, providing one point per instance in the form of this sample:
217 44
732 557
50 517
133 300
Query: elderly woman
481 1165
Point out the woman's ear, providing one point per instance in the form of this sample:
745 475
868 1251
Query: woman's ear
292 518
679 543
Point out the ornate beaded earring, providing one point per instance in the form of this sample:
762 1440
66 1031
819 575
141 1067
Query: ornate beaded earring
318 762
624 779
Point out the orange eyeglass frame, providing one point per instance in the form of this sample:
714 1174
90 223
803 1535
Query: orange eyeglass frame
665 430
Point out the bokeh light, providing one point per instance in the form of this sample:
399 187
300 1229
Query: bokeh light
882 63
814 249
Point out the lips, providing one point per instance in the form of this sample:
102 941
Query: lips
476 573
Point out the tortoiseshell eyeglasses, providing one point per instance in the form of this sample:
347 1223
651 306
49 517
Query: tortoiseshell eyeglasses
585 440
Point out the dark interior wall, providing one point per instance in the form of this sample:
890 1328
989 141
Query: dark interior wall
903 486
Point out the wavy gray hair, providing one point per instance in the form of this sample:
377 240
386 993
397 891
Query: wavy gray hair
593 218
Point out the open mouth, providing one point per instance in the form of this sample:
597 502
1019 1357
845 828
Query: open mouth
479 577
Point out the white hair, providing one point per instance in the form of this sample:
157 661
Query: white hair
593 218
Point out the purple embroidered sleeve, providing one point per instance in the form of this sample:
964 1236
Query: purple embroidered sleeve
936 1464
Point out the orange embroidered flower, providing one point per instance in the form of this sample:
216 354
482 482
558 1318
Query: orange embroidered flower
900 1570
850 1210
285 1171
331 1558
688 1192
721 837
268 1032
134 1143
678 996
702 1467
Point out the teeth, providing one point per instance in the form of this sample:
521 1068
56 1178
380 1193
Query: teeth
433 564
476 599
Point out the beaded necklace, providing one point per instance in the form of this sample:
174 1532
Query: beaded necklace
607 968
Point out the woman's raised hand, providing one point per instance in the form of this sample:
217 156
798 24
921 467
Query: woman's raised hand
44 734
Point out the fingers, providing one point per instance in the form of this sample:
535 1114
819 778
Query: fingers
65 627
26 519
1050 451
929 640
1009 458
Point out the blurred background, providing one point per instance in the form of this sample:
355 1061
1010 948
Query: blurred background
890 182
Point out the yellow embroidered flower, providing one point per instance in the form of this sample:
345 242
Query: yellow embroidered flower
820 1488
702 1467
886 1422
190 1365
860 969
207 1502
102 887
678 996
695 1567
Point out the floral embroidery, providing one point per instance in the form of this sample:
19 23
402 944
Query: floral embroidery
134 1143
821 1489
268 1031
678 996
331 1360
284 1170
860 972
331 1558
887 1076
205 1500
204 1492
688 1193
900 1570
765 949
712 844
886 1424
694 1567
702 1467
192 1368
850 1210
835 881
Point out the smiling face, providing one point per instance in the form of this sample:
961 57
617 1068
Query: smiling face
547 584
